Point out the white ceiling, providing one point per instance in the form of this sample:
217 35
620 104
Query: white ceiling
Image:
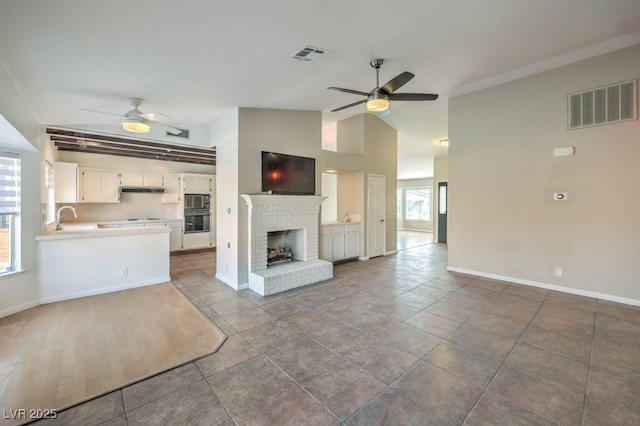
194 60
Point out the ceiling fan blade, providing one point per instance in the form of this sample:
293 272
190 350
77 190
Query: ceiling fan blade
397 82
349 106
153 123
355 92
101 112
413 97
154 116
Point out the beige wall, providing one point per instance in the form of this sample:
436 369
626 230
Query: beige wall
376 142
239 160
380 153
503 221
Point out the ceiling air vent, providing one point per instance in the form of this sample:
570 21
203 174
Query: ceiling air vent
308 53
603 105
178 133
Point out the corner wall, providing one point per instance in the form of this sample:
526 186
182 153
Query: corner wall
239 171
20 291
503 222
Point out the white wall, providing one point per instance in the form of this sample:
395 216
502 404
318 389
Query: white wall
224 132
503 221
329 207
19 291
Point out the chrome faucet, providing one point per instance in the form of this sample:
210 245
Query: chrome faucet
346 217
58 224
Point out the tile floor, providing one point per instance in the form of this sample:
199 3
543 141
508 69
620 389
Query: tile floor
393 340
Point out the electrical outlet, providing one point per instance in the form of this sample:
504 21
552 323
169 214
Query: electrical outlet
124 272
558 272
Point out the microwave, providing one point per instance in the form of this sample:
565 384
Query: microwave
197 201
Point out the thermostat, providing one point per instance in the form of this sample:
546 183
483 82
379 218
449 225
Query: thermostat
559 196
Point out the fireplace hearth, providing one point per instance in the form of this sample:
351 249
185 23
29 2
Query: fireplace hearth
290 221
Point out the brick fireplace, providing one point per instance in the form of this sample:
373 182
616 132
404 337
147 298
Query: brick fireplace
298 217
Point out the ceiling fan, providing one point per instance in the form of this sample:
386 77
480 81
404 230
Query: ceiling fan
135 120
378 99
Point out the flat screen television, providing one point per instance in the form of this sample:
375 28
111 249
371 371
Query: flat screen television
288 174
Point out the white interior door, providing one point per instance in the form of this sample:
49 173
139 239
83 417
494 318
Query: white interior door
376 215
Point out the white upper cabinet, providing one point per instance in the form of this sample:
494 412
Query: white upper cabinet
133 178
152 179
172 192
198 184
98 186
66 182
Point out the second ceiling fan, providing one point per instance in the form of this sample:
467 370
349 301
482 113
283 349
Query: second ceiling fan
379 98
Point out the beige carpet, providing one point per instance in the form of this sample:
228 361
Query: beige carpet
57 355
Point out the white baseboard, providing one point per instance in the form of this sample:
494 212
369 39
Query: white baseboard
391 252
19 308
103 290
570 290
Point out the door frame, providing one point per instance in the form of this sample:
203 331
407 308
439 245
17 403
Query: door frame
384 214
436 209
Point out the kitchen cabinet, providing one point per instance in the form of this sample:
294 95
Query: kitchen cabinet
98 186
339 241
152 179
198 184
66 182
128 178
133 178
196 240
172 190
175 236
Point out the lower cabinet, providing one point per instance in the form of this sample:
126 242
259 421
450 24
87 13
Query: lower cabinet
339 241
196 240
175 236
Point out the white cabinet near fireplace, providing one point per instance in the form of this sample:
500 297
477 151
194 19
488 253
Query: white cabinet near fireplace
340 241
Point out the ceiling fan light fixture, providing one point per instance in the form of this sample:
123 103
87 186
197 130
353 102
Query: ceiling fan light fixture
135 125
377 102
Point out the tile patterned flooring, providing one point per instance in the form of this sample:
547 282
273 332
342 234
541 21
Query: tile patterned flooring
393 340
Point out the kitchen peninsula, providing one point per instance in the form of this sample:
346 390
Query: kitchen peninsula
85 259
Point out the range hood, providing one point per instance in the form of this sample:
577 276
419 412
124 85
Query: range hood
142 189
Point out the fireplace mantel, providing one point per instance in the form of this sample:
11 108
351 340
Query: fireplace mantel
269 213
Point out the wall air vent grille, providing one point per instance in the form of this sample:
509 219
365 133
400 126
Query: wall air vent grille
308 53
178 133
603 105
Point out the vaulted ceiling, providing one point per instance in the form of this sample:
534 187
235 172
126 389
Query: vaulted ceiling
195 60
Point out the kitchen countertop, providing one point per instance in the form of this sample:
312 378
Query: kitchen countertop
340 222
74 230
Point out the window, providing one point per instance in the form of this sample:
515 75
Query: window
418 203
9 212
399 204
49 184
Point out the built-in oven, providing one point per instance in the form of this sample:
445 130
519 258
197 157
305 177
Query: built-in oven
197 201
197 220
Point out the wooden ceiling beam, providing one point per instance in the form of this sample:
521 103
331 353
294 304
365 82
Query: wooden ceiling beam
81 141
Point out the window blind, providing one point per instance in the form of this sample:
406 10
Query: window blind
9 183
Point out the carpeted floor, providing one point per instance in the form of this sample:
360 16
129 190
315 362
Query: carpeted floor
53 356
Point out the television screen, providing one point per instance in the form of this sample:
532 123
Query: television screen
288 174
